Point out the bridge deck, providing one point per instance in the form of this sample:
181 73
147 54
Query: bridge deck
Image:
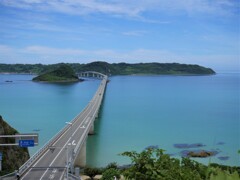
67 145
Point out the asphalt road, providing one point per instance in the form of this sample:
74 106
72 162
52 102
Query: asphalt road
52 164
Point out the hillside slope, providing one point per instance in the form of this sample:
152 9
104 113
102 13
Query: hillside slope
12 156
112 69
62 74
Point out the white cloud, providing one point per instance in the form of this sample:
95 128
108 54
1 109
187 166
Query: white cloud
51 51
46 55
134 33
138 55
5 49
133 8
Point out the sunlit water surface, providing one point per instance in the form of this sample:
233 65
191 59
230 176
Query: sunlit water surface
137 112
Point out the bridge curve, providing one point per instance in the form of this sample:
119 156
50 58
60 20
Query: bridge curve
68 147
91 74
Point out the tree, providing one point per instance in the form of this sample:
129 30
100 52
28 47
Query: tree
110 174
152 164
91 172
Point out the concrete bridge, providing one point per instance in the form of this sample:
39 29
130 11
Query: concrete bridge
67 149
91 74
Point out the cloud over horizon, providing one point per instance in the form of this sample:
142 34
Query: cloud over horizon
49 55
201 32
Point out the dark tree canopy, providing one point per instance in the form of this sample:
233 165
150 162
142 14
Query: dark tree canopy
112 69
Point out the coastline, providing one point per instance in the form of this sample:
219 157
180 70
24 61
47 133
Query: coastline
15 73
131 84
64 81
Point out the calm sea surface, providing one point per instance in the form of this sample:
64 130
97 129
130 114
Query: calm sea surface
137 112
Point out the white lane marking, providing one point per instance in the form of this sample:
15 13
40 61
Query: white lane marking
51 176
62 175
54 159
54 170
73 143
62 148
56 142
43 155
89 107
53 173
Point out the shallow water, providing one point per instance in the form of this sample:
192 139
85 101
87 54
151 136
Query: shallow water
137 111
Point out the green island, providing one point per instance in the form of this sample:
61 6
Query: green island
64 73
112 69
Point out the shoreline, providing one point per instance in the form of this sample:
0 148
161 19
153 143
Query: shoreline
15 73
139 74
64 81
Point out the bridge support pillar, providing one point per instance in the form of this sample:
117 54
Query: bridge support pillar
82 156
96 116
91 131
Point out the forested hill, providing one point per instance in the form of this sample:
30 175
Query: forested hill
64 73
111 69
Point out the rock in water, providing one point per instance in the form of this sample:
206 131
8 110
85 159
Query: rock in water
198 153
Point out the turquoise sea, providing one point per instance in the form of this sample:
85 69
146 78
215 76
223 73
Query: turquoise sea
137 112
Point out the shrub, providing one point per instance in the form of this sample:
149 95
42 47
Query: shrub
112 165
91 172
152 164
110 174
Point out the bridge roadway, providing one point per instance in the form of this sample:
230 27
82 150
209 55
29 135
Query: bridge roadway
52 162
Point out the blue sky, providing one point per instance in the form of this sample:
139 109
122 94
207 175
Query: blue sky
204 32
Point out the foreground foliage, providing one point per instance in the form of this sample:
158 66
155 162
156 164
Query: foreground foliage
110 174
91 172
153 164
219 174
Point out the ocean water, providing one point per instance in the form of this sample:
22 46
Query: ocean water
137 112
43 108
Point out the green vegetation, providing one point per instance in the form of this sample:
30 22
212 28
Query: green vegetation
110 174
64 73
152 164
219 174
91 172
111 69
13 156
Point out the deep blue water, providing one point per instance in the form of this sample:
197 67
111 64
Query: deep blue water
137 111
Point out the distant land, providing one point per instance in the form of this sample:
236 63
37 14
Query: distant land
112 69
64 73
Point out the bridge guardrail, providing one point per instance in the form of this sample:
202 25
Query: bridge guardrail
10 176
77 148
26 165
32 159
